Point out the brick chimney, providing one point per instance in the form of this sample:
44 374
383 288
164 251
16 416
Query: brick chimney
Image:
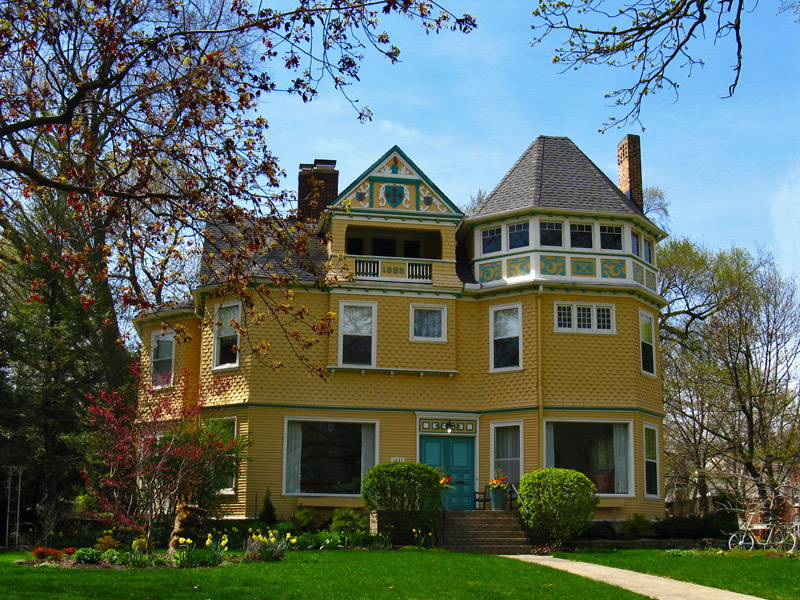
629 169
317 187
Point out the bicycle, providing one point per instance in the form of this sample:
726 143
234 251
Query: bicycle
772 535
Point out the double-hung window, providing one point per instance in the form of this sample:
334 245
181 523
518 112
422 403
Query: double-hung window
551 234
428 323
518 235
357 333
505 323
584 318
227 426
650 461
162 358
226 335
647 339
580 235
610 237
328 457
491 240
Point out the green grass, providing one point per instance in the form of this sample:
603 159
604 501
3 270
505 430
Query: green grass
313 575
756 573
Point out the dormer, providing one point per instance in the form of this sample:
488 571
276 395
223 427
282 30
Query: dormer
394 226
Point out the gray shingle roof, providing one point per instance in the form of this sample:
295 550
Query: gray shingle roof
553 173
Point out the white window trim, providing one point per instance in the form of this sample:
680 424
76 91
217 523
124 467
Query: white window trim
430 340
636 233
564 232
652 242
162 335
655 333
492 310
502 240
621 238
492 426
595 234
508 235
232 490
286 420
645 460
227 366
594 330
631 454
373 333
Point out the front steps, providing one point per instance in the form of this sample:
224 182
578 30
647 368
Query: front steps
485 531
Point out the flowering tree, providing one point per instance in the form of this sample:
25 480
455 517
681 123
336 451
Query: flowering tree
152 456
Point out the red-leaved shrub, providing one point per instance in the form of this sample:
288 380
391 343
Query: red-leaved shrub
45 553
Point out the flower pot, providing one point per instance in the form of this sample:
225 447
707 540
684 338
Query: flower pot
498 497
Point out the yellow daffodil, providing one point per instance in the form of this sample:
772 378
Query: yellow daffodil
234 529
288 535
250 530
188 541
294 540
182 540
208 542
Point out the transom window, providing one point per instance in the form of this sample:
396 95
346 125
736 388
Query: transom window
580 235
328 457
647 338
610 237
518 235
584 318
357 333
506 335
428 323
226 335
550 233
650 460
491 240
162 360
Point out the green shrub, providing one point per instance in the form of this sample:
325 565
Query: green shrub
347 520
561 503
267 514
636 526
284 527
696 527
308 520
87 556
405 496
599 530
112 556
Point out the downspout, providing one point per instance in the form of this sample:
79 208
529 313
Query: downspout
539 391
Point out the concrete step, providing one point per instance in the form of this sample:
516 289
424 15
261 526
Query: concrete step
491 548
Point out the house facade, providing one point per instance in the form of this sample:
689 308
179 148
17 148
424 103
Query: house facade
520 337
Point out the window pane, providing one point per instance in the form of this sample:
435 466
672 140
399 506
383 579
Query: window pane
584 317
357 320
163 348
594 450
518 235
647 358
646 329
648 251
650 478
330 458
564 317
490 240
224 317
357 349
635 243
506 353
226 350
604 318
580 235
650 447
428 322
506 323
550 234
610 237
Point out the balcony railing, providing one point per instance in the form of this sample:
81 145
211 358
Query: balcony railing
393 269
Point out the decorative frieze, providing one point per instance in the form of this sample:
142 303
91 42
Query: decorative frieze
518 267
491 271
613 268
583 267
553 265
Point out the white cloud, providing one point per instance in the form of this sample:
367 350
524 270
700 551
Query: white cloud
786 223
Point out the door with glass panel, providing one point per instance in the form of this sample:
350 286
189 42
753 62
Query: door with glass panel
507 451
456 456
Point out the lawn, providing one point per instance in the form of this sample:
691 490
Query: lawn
311 575
756 573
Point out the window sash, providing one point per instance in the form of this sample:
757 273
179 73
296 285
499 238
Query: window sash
551 234
357 334
580 235
635 243
584 318
648 251
518 235
506 333
610 237
226 336
162 361
646 335
491 240
650 461
428 323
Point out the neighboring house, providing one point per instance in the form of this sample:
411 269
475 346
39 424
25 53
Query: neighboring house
521 337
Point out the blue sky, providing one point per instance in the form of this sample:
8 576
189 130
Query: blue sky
465 107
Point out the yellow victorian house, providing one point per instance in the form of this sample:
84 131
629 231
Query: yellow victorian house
520 337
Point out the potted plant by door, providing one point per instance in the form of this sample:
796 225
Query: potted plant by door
498 489
445 487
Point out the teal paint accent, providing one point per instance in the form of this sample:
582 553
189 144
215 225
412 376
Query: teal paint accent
651 280
614 269
456 456
638 274
491 271
518 267
553 265
583 267
422 216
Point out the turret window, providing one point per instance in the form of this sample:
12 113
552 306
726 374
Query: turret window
635 243
580 235
610 237
518 235
550 234
584 318
491 240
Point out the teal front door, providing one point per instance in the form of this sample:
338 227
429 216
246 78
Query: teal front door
456 455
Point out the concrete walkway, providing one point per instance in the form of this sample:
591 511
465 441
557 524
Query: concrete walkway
647 585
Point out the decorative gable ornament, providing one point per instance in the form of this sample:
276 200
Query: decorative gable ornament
395 195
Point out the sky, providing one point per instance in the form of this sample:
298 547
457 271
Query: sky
465 107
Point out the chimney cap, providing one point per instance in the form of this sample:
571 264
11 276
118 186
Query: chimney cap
324 163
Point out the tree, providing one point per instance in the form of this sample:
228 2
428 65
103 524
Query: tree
653 38
137 121
475 202
148 458
656 206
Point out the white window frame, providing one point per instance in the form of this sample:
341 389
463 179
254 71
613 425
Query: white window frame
502 240
508 235
574 328
164 336
492 426
215 351
430 340
231 491
649 242
651 316
564 228
621 238
639 249
645 460
591 229
631 454
286 421
492 310
373 333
